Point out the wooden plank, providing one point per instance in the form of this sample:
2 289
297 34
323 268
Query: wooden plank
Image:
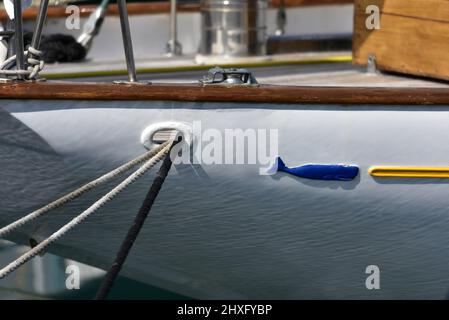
238 94
404 44
423 9
160 7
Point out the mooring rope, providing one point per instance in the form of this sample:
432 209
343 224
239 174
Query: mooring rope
34 61
135 228
81 190
86 213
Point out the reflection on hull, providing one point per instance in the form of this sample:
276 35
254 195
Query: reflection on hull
224 231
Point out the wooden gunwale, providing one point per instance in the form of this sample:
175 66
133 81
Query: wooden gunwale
59 90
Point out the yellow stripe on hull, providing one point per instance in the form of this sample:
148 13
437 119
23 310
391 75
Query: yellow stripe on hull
409 172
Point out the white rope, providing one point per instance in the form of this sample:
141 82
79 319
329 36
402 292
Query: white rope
86 213
34 62
80 191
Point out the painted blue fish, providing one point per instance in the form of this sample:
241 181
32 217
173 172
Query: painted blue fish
338 172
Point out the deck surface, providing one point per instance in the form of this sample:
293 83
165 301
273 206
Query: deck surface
303 73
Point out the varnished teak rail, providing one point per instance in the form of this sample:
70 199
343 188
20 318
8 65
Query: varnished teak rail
197 93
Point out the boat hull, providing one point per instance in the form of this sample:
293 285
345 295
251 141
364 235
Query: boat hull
224 230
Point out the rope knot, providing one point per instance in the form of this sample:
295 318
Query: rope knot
35 64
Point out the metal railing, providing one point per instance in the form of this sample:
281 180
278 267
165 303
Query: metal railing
21 57
174 48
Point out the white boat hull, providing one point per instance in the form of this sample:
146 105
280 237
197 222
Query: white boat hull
224 231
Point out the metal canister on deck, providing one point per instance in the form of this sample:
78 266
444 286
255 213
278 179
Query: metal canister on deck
233 28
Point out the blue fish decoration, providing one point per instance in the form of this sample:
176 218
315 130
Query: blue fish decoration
337 172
